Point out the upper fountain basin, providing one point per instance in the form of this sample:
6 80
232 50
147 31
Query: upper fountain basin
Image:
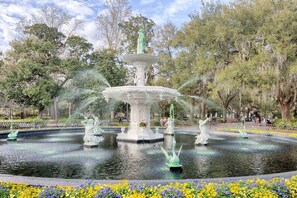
134 58
149 94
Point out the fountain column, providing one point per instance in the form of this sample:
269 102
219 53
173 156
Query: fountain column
139 79
140 102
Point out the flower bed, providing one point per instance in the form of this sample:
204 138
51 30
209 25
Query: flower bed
276 187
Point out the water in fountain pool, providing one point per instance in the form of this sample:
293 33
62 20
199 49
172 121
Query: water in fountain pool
62 155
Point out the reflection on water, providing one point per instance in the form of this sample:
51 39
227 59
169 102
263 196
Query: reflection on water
63 155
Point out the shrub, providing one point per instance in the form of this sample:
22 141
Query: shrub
124 124
157 123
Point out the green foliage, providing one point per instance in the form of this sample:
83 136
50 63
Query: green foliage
247 47
45 33
37 72
287 125
4 193
106 63
157 123
124 124
78 46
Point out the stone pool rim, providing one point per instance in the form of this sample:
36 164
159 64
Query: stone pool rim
44 181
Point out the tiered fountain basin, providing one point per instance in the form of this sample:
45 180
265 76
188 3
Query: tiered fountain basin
140 99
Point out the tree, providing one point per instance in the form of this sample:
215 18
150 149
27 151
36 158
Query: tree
105 69
279 41
130 30
198 51
35 67
107 63
52 16
163 45
116 11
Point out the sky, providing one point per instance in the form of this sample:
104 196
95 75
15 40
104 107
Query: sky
160 11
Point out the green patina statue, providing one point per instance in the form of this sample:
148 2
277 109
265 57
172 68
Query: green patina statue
172 161
243 134
171 111
12 136
141 41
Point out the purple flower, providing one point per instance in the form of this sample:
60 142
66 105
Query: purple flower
52 192
172 193
107 193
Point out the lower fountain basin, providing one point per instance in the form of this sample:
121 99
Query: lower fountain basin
62 155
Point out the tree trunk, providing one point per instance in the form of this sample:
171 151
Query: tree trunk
225 114
56 109
111 116
202 110
69 109
23 113
192 109
285 110
40 112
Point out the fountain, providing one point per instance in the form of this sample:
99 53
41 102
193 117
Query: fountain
140 97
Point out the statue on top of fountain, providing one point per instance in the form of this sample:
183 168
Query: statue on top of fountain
202 138
141 41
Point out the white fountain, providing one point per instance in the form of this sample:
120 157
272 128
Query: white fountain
140 97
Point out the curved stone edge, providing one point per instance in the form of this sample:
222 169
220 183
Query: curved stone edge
35 181
78 182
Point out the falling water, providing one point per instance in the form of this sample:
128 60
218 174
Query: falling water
192 80
206 101
92 74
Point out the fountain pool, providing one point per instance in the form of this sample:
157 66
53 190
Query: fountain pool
62 155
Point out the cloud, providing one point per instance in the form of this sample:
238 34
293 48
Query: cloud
145 2
90 32
178 5
76 7
10 15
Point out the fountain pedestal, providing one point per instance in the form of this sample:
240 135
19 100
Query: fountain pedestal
140 110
